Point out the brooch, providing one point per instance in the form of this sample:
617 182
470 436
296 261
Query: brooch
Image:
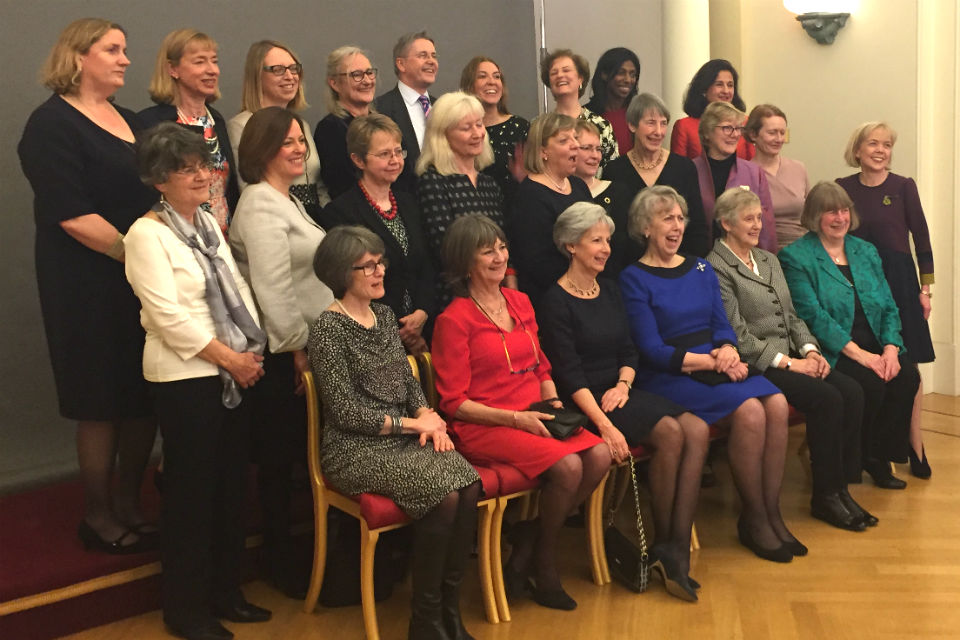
886 201
701 266
606 200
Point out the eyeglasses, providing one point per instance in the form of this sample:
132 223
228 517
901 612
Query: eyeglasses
194 169
729 129
370 268
278 69
358 75
588 148
503 339
389 154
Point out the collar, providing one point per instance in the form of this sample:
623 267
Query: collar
408 93
753 257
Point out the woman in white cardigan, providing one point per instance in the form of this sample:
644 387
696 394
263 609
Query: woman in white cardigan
274 240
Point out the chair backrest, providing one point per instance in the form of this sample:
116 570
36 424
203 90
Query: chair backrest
429 380
313 431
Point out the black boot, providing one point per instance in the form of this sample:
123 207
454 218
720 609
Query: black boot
429 558
458 555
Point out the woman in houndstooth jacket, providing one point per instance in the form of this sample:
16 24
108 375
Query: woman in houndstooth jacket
773 339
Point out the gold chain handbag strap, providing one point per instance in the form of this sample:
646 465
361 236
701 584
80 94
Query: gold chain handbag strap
641 535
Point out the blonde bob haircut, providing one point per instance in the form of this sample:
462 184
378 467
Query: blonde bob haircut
585 125
729 205
335 62
648 203
163 88
860 134
713 116
823 197
445 114
252 94
61 71
543 127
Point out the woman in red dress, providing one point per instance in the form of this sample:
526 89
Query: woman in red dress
489 370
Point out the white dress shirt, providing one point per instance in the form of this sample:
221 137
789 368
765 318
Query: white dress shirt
419 120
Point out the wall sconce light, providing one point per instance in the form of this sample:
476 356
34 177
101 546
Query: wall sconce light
819 18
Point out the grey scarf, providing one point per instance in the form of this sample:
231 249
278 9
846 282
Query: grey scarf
234 325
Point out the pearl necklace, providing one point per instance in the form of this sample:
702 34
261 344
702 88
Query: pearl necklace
559 186
350 315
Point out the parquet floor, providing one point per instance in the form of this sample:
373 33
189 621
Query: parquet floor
898 580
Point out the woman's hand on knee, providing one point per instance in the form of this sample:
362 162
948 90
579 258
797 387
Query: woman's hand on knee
441 440
615 441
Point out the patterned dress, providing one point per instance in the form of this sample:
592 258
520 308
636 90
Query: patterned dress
221 167
608 142
504 138
362 376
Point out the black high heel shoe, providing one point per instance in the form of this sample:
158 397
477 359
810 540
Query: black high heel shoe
780 554
92 540
882 476
919 468
675 581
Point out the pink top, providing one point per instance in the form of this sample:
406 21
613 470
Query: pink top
788 190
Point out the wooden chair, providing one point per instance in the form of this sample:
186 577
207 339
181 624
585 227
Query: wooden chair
514 485
376 514
487 504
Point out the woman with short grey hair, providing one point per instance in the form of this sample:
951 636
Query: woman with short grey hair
650 163
774 340
202 352
380 435
689 355
585 334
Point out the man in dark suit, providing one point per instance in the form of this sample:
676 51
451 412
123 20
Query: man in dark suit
415 63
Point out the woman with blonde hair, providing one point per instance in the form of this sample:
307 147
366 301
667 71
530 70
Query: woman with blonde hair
185 81
77 151
351 86
890 214
455 150
273 77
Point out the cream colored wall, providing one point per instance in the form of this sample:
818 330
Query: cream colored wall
895 60
869 73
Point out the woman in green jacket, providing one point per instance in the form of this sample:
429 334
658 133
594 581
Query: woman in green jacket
839 290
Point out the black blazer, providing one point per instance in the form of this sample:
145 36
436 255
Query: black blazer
391 104
168 113
413 271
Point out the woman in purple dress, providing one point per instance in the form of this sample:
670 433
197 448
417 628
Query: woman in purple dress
890 213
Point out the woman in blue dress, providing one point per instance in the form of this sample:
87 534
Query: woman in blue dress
689 355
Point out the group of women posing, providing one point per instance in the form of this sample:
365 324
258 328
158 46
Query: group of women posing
209 229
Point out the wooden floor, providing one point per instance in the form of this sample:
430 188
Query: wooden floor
898 580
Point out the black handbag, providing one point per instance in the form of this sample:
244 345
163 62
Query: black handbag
629 564
565 421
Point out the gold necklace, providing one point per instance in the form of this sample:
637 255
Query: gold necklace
635 157
484 309
584 293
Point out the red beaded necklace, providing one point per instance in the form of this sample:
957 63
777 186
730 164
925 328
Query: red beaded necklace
386 215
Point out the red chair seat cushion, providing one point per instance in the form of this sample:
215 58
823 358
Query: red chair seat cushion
489 480
640 452
512 480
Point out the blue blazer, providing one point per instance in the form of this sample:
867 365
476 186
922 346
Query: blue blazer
824 298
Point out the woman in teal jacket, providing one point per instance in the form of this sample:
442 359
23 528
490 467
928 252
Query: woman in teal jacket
839 290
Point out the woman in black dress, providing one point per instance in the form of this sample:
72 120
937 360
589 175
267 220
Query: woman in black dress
483 78
585 333
649 163
550 158
374 145
351 86
77 152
